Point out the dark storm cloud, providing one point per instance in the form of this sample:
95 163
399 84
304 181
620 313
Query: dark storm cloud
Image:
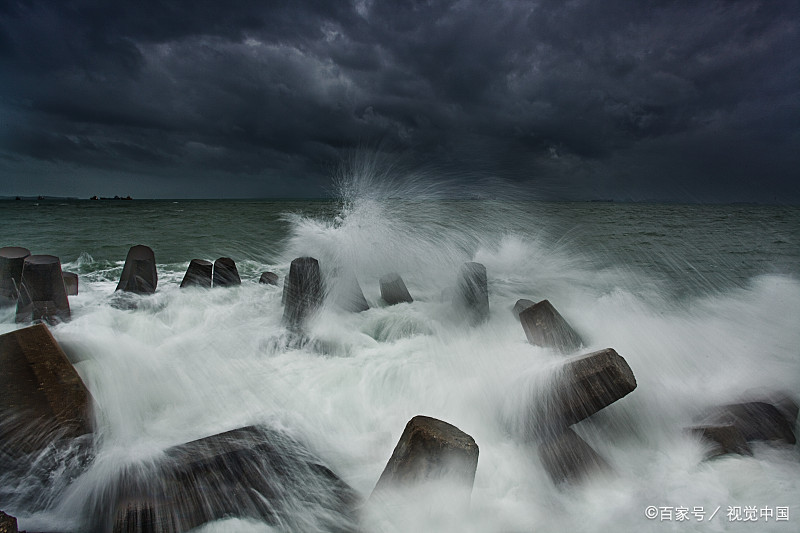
580 99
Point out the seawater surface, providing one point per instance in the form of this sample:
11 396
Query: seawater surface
702 302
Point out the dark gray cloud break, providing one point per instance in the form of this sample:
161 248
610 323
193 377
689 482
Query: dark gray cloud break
620 99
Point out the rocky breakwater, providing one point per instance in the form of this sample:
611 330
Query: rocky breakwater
42 397
45 418
581 386
139 274
42 293
11 260
198 274
430 453
731 428
302 292
250 472
472 293
394 290
544 326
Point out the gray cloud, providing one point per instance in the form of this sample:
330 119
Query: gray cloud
618 99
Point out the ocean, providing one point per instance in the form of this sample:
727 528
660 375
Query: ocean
702 301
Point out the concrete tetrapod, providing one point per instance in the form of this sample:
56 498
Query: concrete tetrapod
8 524
348 294
730 428
472 294
544 326
723 439
42 294
521 305
582 386
431 450
568 458
393 289
139 274
70 283
11 260
198 274
302 292
757 421
250 472
268 278
225 273
42 397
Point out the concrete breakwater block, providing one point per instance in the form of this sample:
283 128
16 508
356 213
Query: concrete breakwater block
582 386
302 291
139 274
568 458
42 294
521 305
250 472
268 278
393 289
431 450
8 524
70 283
724 439
785 404
225 273
757 421
42 397
348 294
783 401
545 327
11 261
198 274
472 294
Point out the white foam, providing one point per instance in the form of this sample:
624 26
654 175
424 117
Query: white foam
189 363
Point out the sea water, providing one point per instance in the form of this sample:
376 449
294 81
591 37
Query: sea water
701 301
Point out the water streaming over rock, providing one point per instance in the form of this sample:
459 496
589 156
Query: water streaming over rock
701 301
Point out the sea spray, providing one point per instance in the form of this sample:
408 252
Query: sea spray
696 329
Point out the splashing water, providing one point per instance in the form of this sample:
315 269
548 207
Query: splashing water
190 363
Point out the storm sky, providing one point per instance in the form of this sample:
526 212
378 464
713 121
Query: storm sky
600 99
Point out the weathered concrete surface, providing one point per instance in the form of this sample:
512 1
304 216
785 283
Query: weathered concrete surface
42 294
786 405
393 289
251 472
198 274
225 273
472 294
568 458
757 421
348 294
302 292
139 274
11 261
783 401
544 326
268 278
724 440
8 524
521 305
431 450
41 396
70 283
582 386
